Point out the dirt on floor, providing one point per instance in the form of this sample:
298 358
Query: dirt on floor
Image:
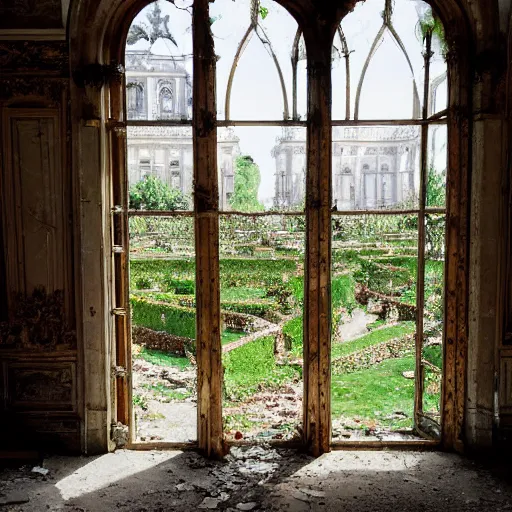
257 478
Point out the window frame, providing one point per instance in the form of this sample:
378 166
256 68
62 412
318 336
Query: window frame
316 418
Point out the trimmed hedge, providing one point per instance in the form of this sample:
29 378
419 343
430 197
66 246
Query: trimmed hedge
177 320
258 273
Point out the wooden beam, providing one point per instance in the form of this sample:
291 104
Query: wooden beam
456 267
208 344
317 289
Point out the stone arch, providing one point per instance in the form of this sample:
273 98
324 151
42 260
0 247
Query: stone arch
97 32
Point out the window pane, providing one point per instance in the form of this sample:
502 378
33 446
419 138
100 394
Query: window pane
375 167
432 353
437 165
263 68
159 62
373 318
262 293
261 169
160 167
162 297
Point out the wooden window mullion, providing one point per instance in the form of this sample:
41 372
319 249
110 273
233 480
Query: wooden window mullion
208 343
317 292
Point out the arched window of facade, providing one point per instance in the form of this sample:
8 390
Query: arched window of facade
166 101
135 99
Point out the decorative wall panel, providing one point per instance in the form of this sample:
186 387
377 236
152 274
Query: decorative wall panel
48 387
33 199
30 14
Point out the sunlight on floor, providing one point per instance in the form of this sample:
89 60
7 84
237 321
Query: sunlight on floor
108 469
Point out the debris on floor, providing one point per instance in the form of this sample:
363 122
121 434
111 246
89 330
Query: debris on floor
257 478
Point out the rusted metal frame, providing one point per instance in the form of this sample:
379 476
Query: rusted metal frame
158 122
373 49
344 213
317 289
420 275
455 344
378 39
295 63
119 229
222 123
170 213
387 122
406 55
441 115
436 82
281 123
262 36
268 47
346 55
240 50
208 343
159 213
262 214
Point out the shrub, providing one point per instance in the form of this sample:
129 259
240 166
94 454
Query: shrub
143 283
180 286
293 331
381 278
252 367
151 193
159 316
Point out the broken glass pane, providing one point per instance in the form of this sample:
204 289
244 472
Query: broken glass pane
261 169
160 167
163 312
262 295
375 168
373 287
158 60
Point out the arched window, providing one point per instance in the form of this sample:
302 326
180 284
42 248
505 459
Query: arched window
135 100
389 69
166 101
254 192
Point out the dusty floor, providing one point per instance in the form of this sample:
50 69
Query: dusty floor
258 479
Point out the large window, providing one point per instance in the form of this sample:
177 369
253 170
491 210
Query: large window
285 285
388 235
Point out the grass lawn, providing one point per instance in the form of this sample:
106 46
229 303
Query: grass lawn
372 338
242 293
252 367
161 358
229 336
373 394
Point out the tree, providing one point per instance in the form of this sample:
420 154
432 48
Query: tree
247 182
151 193
436 188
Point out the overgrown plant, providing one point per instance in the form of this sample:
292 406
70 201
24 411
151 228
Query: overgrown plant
151 193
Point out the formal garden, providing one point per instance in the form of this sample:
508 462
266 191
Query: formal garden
374 267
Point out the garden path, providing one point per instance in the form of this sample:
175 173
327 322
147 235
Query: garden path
355 326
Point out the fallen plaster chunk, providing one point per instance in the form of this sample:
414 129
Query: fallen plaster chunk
313 492
210 503
247 506
185 487
40 470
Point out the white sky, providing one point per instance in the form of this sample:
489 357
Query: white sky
256 93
